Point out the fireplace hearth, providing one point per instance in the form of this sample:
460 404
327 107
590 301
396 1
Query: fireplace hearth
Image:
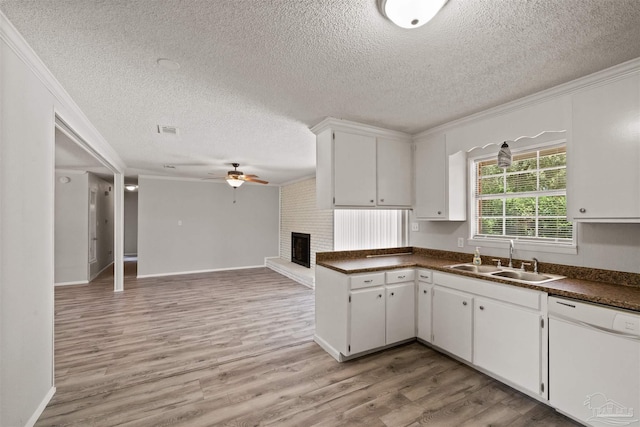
301 249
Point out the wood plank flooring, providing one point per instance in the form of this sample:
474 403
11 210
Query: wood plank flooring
235 349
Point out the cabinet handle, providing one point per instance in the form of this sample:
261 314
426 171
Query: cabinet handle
424 292
424 277
464 303
379 295
368 281
481 307
401 277
582 210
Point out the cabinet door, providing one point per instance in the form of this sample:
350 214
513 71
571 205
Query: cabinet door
507 342
604 152
424 311
430 173
354 169
440 181
394 172
401 319
451 321
367 322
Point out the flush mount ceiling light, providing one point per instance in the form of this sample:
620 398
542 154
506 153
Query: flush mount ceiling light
410 13
504 156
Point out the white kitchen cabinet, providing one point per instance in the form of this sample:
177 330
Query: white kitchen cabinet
367 319
452 321
603 153
354 169
395 163
440 181
361 166
507 341
423 306
401 319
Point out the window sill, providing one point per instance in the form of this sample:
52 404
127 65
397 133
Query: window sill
524 245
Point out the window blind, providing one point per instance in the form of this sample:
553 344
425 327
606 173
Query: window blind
369 229
524 201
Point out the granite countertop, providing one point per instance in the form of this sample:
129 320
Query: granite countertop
616 289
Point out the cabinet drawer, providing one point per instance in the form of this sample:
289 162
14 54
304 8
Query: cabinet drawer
399 276
366 280
425 276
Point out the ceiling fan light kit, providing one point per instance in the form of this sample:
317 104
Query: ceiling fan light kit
234 182
410 13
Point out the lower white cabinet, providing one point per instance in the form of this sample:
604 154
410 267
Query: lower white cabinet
452 321
401 319
367 325
506 341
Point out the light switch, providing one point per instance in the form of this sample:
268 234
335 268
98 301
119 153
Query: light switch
179 222
415 226
461 242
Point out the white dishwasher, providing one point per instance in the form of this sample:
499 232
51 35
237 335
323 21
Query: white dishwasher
594 362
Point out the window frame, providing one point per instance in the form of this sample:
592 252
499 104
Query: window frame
523 243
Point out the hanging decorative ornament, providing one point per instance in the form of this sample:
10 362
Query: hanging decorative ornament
504 156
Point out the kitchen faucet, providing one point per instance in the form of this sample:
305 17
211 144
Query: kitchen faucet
511 253
535 265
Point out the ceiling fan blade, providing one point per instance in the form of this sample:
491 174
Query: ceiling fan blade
251 176
259 181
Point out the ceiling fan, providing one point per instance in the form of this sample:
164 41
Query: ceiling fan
236 178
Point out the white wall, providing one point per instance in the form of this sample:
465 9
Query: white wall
130 222
215 233
26 241
71 228
104 224
299 214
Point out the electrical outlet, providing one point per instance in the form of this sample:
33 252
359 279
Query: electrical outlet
415 226
461 242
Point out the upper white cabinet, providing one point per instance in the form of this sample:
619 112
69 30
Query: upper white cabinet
359 166
440 181
603 154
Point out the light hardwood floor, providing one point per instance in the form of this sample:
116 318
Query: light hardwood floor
235 349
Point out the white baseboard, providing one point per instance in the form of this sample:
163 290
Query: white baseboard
178 273
79 282
34 417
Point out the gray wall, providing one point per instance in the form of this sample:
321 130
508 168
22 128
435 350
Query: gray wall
105 226
215 233
26 240
130 222
71 228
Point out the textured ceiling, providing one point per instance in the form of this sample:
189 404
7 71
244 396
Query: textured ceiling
256 74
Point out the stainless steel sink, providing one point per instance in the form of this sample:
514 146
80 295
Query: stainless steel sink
480 269
524 276
506 273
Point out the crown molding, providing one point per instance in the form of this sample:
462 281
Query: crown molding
347 125
67 110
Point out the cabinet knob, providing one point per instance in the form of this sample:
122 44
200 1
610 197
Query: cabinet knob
582 210
371 201
464 303
439 212
481 307
392 293
379 295
382 200
424 292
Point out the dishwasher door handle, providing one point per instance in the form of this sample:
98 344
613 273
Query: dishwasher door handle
594 327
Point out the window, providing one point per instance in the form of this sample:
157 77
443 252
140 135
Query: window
355 229
526 201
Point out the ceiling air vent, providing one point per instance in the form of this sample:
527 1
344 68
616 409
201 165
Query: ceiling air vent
167 130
